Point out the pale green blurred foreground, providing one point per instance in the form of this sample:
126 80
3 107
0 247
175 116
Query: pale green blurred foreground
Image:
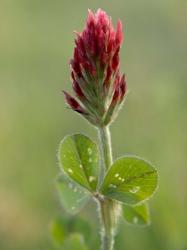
36 43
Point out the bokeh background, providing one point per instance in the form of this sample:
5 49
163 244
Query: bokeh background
36 43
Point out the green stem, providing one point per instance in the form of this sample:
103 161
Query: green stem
108 223
108 208
106 148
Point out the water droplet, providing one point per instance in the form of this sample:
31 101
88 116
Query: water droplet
70 170
121 179
135 220
89 151
116 175
92 178
112 186
134 189
81 166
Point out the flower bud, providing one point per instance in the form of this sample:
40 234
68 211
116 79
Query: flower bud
96 80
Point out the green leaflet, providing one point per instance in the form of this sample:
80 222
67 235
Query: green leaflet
64 241
72 196
130 180
137 215
58 232
79 159
62 227
75 242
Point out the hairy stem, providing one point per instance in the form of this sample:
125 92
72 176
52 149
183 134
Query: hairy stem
106 147
107 231
108 208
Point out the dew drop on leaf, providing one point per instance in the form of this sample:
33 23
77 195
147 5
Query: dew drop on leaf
91 178
112 186
89 151
70 170
134 189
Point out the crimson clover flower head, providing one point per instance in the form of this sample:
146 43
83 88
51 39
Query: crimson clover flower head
96 80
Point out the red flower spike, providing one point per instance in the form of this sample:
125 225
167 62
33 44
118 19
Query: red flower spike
95 68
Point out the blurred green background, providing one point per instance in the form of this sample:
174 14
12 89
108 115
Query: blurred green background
36 43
